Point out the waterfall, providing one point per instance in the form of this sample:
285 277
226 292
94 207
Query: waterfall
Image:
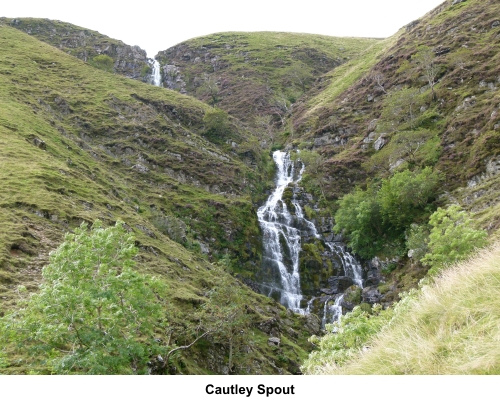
156 73
351 266
353 270
282 233
281 238
332 313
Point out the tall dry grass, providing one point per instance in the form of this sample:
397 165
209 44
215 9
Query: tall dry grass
452 327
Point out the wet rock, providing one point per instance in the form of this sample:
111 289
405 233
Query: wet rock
373 277
340 283
352 297
312 324
458 2
371 295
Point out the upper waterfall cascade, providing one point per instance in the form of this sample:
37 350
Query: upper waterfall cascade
156 73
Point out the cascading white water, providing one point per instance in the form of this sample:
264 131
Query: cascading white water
351 266
353 270
280 238
156 75
282 245
332 313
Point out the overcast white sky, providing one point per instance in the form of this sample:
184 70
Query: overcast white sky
157 25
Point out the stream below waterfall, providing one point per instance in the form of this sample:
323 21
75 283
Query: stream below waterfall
282 237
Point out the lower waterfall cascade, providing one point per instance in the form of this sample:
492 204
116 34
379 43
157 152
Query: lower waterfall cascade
282 235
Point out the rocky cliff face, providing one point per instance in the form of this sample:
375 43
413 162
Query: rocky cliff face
85 44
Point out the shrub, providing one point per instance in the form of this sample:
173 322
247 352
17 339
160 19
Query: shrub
217 126
103 62
377 219
451 238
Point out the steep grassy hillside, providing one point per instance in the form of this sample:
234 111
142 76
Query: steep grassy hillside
450 327
343 123
254 74
79 144
90 46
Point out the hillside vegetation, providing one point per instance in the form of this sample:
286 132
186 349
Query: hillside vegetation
459 104
80 144
400 139
451 326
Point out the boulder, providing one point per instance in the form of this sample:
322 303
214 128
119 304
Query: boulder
270 326
380 142
339 284
371 295
312 324
273 341
352 297
39 143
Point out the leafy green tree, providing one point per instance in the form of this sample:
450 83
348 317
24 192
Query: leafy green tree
405 195
452 237
417 241
227 313
376 220
359 217
401 110
425 60
209 90
300 75
93 314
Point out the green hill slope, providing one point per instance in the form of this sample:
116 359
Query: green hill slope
79 144
464 40
254 74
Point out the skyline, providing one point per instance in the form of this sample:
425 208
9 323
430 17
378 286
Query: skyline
160 25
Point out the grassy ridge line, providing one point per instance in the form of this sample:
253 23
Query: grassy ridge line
452 327
86 44
256 69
